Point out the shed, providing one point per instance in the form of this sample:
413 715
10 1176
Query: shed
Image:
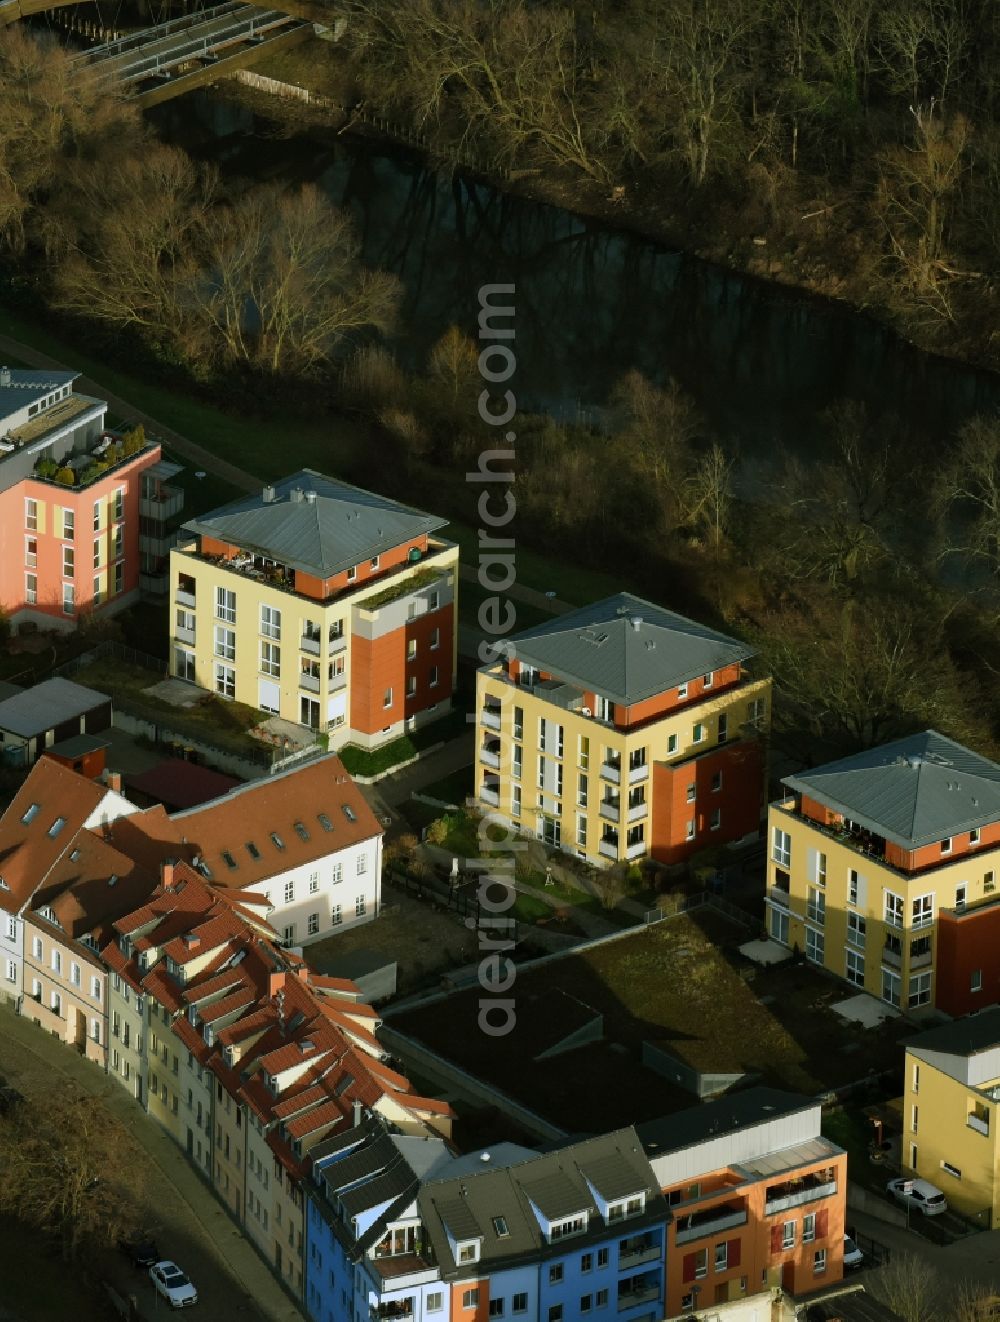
83 753
36 718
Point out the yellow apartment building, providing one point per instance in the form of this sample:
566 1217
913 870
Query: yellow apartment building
329 606
882 869
951 1096
624 730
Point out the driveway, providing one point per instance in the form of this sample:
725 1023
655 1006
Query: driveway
234 1283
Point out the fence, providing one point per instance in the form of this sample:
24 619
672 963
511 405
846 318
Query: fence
118 652
460 899
878 1254
673 905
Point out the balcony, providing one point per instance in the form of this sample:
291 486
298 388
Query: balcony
337 643
311 645
611 809
489 755
921 960
637 811
633 1298
490 792
710 1222
184 598
396 1308
490 717
612 771
980 1126
636 851
894 958
783 1197
635 774
309 682
608 849
184 635
639 1254
164 506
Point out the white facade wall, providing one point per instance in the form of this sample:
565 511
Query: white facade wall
349 881
736 1147
126 1037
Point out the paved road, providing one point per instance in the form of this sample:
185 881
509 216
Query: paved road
973 1259
234 1284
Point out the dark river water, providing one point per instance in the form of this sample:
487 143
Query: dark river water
592 302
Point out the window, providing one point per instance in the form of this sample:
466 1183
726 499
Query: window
689 830
74 973
97 552
500 1227
601 1299
289 891
586 1303
919 989
97 515
68 599
387 699
31 514
717 782
951 1170
36 947
270 622
225 605
287 938
225 643
338 873
352 573
816 906
923 910
515 801
960 894
360 907
119 573
31 552
362 864
98 592
856 968
68 524
411 686
976 980
581 831
433 600
433 680
989 882
519 1303
56 1003
555 1313
698 733
723 727
974 836
691 793
120 503
946 845
819 1262
809 1228
497 1307
56 962
852 885
336 915
781 847
721 1257
11 971
708 680
815 945
586 1262
788 1235
470 1298
225 680
699 1266
435 641
857 928
555 1273
270 658
30 589
682 691
411 649
671 743
893 910
602 1258
891 986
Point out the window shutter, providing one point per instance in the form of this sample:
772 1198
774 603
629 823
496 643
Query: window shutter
690 1265
733 1249
822 1223
776 1239
812 860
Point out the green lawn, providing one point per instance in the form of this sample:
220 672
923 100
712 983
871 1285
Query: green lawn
528 910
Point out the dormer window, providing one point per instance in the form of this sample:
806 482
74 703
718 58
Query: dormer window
682 690
277 841
974 836
708 679
349 812
56 827
228 859
467 1250
626 1207
30 814
946 845
568 1226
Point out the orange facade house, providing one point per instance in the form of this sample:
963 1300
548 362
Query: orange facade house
84 512
758 1198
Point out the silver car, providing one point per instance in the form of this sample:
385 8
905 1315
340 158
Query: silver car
173 1285
919 1194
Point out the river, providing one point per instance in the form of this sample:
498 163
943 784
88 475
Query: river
762 361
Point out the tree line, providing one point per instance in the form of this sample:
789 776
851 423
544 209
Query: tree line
861 136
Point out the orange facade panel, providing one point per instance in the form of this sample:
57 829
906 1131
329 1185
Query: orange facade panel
388 685
725 785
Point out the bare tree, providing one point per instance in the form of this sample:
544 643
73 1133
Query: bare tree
911 1287
66 1166
968 495
709 496
657 430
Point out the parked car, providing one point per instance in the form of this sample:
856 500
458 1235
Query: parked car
170 1281
919 1194
140 1250
853 1257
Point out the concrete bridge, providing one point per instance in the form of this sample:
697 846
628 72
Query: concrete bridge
163 61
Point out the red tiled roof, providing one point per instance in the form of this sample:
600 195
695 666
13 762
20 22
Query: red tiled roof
243 996
314 1119
150 837
159 984
180 784
197 941
27 850
92 884
250 814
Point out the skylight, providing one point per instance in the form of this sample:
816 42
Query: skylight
229 860
324 821
252 849
30 814
300 831
57 826
500 1226
277 841
349 812
74 855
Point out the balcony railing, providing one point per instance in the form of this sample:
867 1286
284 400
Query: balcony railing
710 1222
642 1253
309 682
633 1298
637 850
894 958
311 645
490 717
169 503
490 758
184 635
184 598
810 1193
612 771
637 811
611 809
980 1126
338 643
489 795
635 774
608 848
922 960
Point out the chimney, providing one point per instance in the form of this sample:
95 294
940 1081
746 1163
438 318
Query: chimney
4 376
267 495
636 622
113 780
357 1113
310 497
275 983
296 494
167 872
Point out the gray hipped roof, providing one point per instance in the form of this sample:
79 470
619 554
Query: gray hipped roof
913 792
626 649
315 524
961 1037
47 705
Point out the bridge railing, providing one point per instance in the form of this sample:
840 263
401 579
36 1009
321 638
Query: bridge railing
135 39
150 65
